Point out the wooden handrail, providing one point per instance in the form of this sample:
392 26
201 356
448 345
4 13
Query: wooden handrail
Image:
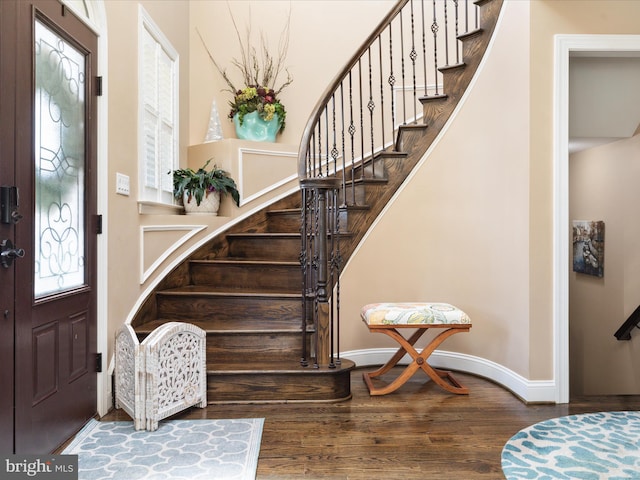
318 109
624 332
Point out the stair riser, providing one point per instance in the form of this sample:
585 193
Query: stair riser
278 387
280 249
369 171
185 308
284 222
352 195
278 278
434 109
236 347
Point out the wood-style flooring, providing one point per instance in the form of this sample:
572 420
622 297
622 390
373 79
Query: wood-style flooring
417 432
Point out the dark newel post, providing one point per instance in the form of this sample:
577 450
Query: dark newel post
320 189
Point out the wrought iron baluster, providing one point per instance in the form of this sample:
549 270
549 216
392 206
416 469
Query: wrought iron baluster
446 35
413 55
332 210
424 48
466 16
434 31
336 265
371 106
306 282
344 155
455 5
381 90
317 265
392 80
312 147
477 16
402 71
352 131
320 146
326 140
361 105
334 147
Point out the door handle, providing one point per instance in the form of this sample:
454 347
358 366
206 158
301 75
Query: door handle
8 253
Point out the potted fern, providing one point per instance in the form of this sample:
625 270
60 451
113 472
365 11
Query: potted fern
201 190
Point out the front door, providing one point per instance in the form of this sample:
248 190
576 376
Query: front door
47 269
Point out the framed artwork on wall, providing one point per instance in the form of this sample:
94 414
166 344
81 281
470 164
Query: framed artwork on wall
588 247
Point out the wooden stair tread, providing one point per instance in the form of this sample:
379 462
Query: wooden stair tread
283 211
245 261
368 181
414 126
453 66
282 367
470 33
355 207
391 154
264 234
216 325
434 98
246 291
210 291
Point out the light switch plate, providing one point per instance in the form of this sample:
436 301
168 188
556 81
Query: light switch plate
122 184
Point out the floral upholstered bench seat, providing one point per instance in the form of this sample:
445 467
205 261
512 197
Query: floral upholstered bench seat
389 318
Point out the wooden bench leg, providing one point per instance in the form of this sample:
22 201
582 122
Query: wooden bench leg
419 362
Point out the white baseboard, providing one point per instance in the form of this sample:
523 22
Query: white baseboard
530 391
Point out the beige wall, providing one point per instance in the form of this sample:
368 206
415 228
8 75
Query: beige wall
473 226
323 37
603 186
146 243
459 230
548 18
492 254
123 222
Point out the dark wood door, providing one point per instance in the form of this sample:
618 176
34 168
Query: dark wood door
48 151
7 232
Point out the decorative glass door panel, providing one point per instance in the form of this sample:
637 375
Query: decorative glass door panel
59 164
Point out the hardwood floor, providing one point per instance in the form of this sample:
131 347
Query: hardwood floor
418 432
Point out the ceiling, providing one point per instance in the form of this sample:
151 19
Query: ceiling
604 98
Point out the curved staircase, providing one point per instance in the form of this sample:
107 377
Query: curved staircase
245 287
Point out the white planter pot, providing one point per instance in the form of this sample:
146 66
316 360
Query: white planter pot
209 205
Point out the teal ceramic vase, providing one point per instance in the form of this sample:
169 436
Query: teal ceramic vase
255 128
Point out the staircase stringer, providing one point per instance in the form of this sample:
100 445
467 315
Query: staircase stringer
413 140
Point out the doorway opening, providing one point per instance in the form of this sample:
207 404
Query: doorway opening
565 46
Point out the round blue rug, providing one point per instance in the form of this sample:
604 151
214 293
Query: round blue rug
592 446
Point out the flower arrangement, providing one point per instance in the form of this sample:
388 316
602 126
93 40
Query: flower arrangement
259 99
200 183
260 74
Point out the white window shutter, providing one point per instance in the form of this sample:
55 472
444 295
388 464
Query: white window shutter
158 113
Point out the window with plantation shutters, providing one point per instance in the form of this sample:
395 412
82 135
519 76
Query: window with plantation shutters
158 112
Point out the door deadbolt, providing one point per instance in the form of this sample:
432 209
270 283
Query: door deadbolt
9 205
8 253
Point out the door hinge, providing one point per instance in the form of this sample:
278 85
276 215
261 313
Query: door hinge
98 224
98 86
98 362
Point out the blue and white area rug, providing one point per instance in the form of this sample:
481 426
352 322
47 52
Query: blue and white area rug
179 449
592 446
